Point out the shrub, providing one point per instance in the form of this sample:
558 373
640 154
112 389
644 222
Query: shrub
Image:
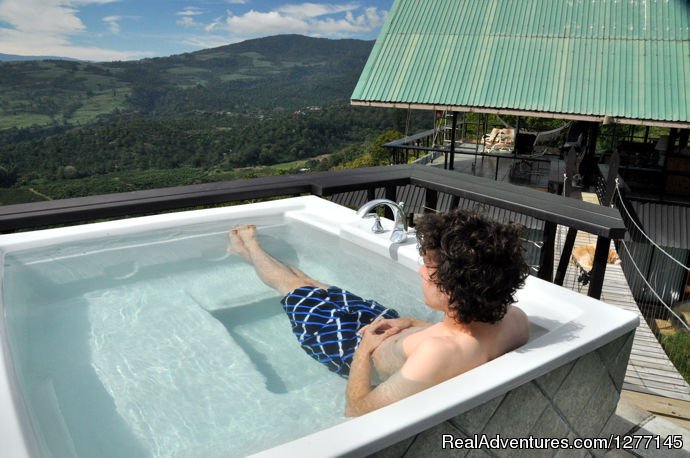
677 348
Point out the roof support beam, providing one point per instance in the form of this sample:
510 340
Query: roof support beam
535 114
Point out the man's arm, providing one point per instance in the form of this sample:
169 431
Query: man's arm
424 368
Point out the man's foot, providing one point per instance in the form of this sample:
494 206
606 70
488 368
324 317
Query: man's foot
236 245
247 233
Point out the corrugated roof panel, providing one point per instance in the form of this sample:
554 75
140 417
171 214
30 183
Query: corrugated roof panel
627 59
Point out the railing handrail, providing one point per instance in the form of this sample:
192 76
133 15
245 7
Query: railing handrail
583 216
401 142
597 220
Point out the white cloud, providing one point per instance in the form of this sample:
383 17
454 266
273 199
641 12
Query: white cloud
237 2
312 10
188 21
325 20
51 31
190 11
113 23
187 17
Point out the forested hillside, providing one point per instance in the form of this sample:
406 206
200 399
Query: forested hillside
261 102
285 72
203 140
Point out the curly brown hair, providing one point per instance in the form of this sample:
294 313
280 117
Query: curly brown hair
480 262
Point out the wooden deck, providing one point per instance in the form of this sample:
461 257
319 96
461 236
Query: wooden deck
649 370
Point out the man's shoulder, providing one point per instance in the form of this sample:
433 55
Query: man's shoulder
439 345
436 358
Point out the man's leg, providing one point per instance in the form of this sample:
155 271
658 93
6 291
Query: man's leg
279 276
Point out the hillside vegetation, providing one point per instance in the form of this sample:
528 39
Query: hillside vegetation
191 117
285 72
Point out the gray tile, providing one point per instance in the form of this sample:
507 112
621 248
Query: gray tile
609 351
619 365
598 410
430 444
549 426
478 454
580 385
396 450
618 454
567 453
618 425
517 414
473 421
552 381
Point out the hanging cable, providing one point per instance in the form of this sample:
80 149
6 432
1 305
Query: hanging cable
651 288
622 204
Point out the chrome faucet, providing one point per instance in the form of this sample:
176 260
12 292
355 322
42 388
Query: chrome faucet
399 234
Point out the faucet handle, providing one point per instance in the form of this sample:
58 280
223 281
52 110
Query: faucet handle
377 228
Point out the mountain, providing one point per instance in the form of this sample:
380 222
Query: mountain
71 129
284 72
13 57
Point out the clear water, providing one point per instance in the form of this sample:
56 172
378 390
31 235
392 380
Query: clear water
160 344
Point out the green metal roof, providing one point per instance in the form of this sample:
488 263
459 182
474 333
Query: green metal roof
628 60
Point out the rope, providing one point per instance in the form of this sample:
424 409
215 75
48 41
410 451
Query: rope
622 204
651 288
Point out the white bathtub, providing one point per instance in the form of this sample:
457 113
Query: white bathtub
575 326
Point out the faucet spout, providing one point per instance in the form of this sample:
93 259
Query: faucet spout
399 233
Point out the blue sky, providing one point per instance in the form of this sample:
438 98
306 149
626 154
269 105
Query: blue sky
103 30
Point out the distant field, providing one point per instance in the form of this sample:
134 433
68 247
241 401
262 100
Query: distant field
103 103
133 181
26 120
298 164
18 196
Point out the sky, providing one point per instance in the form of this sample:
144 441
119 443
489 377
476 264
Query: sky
105 30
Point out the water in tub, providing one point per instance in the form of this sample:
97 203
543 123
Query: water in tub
162 344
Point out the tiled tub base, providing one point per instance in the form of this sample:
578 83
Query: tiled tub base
575 400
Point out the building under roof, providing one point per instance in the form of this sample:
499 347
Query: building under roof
622 61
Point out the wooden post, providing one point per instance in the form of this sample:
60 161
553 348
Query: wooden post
517 134
614 162
569 172
565 256
430 200
596 276
547 250
588 167
683 138
451 165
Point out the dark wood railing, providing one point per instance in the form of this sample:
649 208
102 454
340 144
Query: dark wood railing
603 222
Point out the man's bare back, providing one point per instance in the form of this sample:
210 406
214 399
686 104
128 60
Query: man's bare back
467 347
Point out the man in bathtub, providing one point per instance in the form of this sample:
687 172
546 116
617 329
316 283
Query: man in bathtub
471 270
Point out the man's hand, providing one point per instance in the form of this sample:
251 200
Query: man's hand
376 332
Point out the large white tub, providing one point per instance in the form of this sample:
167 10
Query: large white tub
575 359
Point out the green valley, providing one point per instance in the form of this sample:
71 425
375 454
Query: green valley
70 128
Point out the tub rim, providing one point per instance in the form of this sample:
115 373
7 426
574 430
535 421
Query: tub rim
377 429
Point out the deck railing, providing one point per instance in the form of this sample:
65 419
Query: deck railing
422 149
440 190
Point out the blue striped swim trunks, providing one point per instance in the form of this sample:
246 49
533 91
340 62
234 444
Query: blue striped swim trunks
326 321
